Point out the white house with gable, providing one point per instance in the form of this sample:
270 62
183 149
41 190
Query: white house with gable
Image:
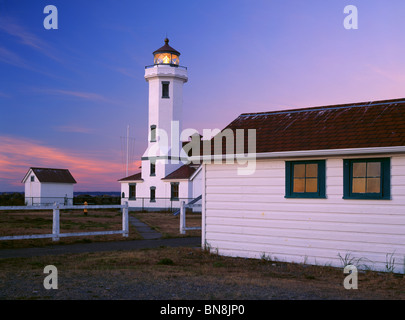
328 185
44 186
166 177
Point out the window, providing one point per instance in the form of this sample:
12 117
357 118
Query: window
152 169
132 191
174 191
32 179
152 194
305 179
367 179
152 133
165 89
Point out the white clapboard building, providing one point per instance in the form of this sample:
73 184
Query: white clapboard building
328 186
44 186
166 177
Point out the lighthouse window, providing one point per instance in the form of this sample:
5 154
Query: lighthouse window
165 89
152 133
152 169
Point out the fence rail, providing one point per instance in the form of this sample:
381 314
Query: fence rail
55 235
148 204
183 207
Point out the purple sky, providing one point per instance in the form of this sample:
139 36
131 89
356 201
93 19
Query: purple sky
68 95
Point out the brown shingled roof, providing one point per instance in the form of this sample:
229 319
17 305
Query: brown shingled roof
134 177
52 175
184 172
358 125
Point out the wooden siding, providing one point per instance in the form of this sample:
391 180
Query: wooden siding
248 216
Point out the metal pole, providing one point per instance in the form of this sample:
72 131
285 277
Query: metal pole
55 226
125 225
182 218
127 148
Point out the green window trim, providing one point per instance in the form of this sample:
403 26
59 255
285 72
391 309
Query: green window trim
153 133
152 194
319 179
152 169
132 191
174 191
165 89
384 179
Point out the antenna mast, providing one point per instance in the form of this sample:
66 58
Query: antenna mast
127 150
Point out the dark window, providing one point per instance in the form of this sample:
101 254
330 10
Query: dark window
165 89
132 191
152 133
152 194
305 179
367 179
152 168
174 191
32 179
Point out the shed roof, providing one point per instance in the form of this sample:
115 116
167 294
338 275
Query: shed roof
356 125
182 173
51 175
134 177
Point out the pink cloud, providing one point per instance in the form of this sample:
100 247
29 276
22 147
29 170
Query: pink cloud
17 155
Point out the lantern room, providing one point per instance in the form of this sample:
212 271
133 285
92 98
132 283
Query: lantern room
166 55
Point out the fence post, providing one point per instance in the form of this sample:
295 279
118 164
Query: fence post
55 225
125 226
182 217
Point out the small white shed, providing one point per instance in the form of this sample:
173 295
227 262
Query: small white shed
44 186
328 185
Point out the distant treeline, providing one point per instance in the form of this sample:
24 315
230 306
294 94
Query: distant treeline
17 199
12 199
97 200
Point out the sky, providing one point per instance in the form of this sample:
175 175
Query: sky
67 95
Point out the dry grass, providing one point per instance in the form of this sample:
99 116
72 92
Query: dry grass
13 223
196 269
168 224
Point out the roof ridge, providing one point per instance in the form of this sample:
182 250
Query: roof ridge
328 107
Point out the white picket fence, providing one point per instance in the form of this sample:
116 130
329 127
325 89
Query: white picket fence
55 235
183 226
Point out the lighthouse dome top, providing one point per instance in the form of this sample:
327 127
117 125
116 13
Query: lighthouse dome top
166 55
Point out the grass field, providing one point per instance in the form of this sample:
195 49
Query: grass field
13 223
185 273
165 273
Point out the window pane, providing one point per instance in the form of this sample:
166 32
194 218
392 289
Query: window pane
312 170
359 169
299 170
373 185
311 185
132 191
359 185
299 185
373 169
165 90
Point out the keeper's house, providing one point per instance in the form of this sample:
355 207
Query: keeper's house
329 185
44 186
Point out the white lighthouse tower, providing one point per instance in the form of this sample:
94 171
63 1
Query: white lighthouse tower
165 78
165 178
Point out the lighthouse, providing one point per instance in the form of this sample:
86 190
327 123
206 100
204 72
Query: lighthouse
166 178
166 79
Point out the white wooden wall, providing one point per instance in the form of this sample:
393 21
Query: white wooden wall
248 216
